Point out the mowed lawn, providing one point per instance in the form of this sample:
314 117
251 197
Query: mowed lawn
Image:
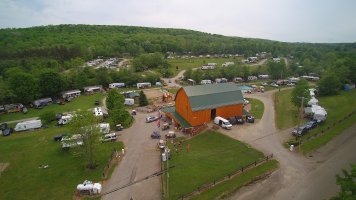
338 107
81 103
286 112
212 156
257 108
25 151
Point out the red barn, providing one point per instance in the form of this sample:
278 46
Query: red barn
196 105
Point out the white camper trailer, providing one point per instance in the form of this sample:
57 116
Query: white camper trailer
116 85
65 119
89 188
28 125
143 85
203 82
129 102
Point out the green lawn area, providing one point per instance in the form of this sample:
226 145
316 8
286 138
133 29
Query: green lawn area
227 188
286 112
212 156
257 108
338 107
25 151
83 103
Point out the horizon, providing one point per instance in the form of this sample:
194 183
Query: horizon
277 20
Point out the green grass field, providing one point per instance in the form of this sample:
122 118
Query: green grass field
212 156
81 103
338 107
286 112
227 188
257 108
25 151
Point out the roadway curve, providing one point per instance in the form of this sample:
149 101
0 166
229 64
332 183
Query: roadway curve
173 83
298 177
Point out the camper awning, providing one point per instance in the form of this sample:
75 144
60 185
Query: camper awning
172 111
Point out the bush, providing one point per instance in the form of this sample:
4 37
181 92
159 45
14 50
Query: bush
48 116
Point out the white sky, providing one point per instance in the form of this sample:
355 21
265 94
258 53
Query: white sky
282 20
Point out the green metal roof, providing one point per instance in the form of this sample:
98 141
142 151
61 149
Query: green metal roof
180 119
210 96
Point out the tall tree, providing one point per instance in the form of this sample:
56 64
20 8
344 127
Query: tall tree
24 87
299 91
347 182
85 124
143 99
329 84
115 100
51 83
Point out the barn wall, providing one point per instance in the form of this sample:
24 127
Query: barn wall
182 104
229 111
200 117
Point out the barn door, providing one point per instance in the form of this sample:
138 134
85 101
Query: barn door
213 114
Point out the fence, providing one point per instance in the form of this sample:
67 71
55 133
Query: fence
225 178
322 132
114 158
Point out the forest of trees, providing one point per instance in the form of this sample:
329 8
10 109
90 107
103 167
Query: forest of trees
42 61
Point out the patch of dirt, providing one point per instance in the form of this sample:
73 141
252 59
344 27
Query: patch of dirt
3 166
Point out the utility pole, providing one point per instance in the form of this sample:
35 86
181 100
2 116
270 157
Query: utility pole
167 156
300 113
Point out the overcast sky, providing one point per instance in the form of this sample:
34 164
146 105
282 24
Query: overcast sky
282 20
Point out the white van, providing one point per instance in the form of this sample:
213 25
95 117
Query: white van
129 102
222 122
109 137
28 125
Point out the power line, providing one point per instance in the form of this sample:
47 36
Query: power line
142 179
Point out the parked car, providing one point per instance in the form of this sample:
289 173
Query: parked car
232 120
119 127
170 134
7 131
58 138
161 144
155 135
274 85
299 132
290 84
151 119
311 124
3 126
264 84
246 101
223 123
165 126
239 120
250 119
111 137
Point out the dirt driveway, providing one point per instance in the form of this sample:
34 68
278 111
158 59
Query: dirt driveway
298 177
141 159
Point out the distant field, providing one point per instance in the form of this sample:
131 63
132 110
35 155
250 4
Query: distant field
338 107
81 103
25 151
212 156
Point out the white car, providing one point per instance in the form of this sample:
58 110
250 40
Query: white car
264 84
274 85
151 119
290 84
246 101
